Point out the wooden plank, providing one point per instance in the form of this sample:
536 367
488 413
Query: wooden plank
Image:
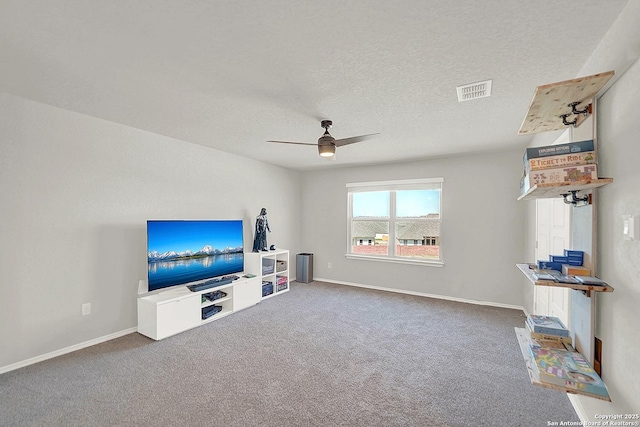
524 341
528 271
550 101
577 286
545 191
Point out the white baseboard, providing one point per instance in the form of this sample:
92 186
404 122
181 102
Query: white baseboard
422 294
577 406
66 350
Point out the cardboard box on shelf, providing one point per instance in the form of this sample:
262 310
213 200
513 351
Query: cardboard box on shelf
550 162
559 258
565 175
574 270
548 265
559 149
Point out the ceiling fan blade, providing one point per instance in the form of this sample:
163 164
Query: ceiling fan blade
297 143
353 139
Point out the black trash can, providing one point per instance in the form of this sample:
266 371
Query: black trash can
304 268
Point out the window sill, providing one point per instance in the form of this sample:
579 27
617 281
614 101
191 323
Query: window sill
413 261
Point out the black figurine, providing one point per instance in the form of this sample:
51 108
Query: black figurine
262 226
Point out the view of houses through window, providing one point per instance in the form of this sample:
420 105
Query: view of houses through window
406 213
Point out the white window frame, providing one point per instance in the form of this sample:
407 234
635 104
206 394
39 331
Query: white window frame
393 186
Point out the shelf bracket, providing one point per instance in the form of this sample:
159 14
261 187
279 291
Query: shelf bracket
571 198
565 122
585 111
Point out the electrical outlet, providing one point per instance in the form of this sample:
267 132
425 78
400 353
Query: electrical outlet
631 227
329 265
86 309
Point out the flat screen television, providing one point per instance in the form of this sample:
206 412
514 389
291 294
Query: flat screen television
184 251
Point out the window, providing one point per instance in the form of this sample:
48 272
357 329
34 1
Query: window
400 220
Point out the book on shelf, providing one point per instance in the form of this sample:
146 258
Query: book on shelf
590 280
551 344
549 325
544 275
547 337
554 276
567 279
568 369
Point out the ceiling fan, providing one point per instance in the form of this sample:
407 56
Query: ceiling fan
327 144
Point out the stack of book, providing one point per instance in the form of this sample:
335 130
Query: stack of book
554 276
573 162
569 264
557 363
548 330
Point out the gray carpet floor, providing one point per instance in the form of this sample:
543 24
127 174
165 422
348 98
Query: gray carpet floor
319 355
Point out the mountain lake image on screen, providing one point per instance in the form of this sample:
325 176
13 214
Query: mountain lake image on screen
184 251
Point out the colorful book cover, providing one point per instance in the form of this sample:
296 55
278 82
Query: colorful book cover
549 325
567 369
562 160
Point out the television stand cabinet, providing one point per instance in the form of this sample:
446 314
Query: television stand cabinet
168 312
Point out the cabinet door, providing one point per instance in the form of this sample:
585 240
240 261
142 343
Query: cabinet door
178 315
246 294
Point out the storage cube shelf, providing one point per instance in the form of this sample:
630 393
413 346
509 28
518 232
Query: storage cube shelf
273 267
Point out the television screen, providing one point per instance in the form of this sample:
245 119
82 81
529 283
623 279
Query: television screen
180 252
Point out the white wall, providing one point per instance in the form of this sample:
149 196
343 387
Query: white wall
75 195
481 234
618 260
618 316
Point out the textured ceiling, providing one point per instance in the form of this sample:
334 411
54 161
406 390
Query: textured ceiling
233 74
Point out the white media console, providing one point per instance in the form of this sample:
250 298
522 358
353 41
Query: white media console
167 312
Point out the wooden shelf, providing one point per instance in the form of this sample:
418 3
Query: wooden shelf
551 101
529 269
524 342
545 191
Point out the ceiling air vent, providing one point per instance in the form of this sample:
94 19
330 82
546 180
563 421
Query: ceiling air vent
474 91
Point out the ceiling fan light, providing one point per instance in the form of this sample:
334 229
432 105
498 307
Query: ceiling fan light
326 150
